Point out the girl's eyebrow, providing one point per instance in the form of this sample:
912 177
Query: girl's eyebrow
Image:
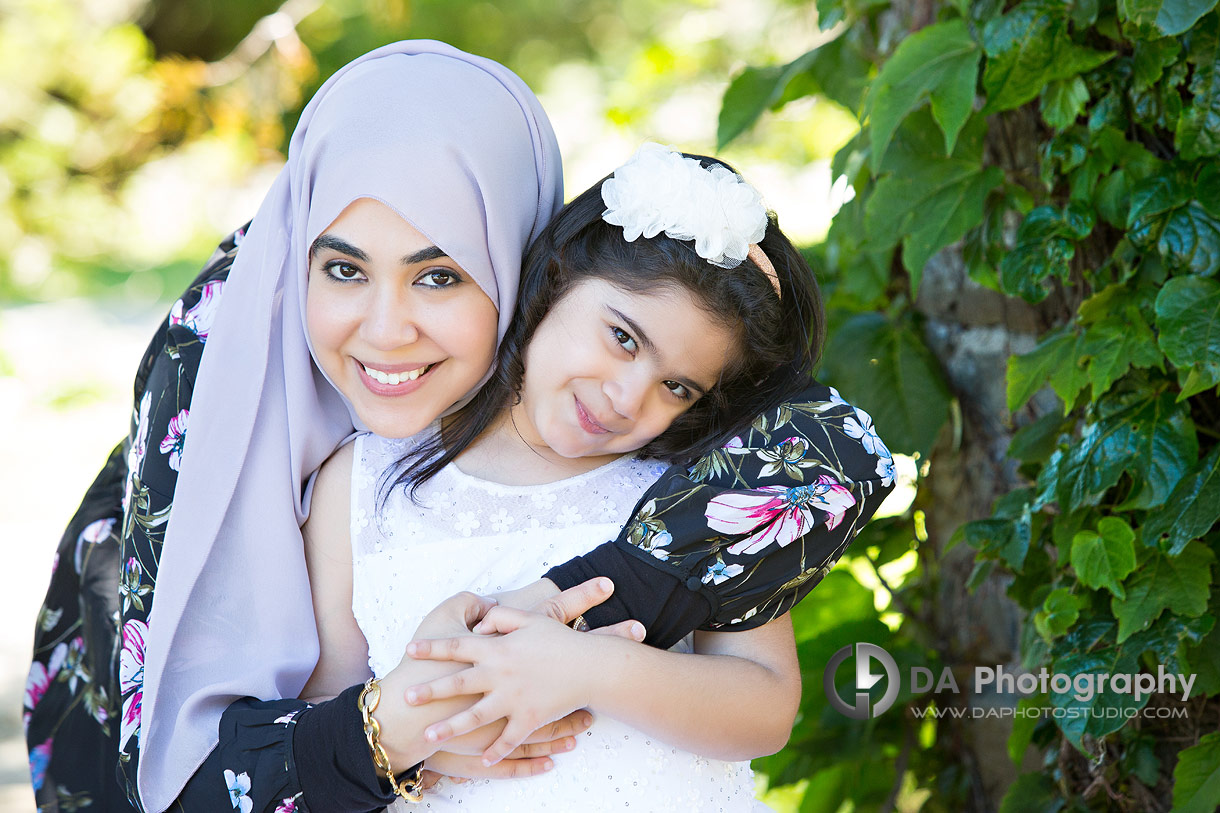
328 242
648 345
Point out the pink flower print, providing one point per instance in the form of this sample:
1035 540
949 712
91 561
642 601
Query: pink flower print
288 805
776 513
95 533
171 444
40 758
131 679
39 680
736 446
198 318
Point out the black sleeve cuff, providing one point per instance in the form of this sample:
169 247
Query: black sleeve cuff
643 592
334 766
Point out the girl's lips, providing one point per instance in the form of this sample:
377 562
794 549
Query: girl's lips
393 390
587 421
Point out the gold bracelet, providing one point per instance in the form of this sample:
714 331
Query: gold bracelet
410 787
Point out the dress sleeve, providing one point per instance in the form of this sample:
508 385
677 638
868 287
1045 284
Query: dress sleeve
739 537
277 756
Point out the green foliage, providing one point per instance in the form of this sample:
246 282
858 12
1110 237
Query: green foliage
1197 777
1113 232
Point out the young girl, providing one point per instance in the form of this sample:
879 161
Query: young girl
624 353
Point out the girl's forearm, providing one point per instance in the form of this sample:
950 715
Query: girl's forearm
722 706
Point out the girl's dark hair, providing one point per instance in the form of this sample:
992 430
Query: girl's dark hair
780 338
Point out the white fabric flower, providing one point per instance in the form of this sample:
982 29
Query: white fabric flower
660 190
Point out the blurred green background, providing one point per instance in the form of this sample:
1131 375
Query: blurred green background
134 134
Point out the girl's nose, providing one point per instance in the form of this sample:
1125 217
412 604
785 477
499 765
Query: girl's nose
390 321
627 395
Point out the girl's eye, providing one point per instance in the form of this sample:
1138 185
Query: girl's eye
624 339
680 390
439 278
343 272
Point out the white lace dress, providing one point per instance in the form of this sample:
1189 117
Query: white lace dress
470 534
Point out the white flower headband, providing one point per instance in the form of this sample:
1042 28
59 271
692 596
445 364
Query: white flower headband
660 190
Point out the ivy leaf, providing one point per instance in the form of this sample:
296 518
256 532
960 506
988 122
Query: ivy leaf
935 206
1191 510
1007 539
1196 777
1027 49
1044 249
1055 359
837 70
1188 320
1150 59
1179 584
1136 430
1034 442
893 376
1113 345
1059 612
1032 793
750 93
1164 217
1063 101
1171 17
1104 711
1105 557
940 62
1203 659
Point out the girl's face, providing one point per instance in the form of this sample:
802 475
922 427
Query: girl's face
398 326
607 370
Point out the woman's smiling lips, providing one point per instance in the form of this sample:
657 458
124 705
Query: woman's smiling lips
394 379
587 421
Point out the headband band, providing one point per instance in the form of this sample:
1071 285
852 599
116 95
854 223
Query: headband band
661 190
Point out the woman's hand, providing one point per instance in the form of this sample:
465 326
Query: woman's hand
528 759
530 668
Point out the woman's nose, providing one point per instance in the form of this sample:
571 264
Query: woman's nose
390 321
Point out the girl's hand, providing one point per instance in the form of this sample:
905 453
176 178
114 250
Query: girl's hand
535 669
526 760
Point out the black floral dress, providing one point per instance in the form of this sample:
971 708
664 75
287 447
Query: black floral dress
730 542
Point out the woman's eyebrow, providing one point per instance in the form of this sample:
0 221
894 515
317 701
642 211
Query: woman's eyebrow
423 255
328 242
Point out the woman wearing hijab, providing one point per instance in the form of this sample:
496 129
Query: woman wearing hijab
201 507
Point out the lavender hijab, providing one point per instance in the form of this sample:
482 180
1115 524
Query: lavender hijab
460 147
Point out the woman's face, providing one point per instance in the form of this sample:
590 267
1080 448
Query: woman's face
608 370
398 326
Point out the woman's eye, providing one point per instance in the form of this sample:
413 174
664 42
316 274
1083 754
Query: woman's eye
439 278
680 390
624 339
344 272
